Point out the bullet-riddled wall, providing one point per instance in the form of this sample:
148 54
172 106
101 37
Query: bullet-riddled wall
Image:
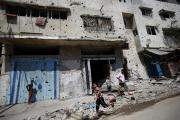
71 82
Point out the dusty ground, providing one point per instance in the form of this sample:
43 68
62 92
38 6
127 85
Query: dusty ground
165 110
146 93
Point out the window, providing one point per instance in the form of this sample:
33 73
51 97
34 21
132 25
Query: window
164 14
146 11
55 14
22 11
178 1
171 1
122 0
151 30
31 11
35 12
12 10
43 13
128 20
95 23
63 15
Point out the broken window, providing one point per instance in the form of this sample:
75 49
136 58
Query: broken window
63 15
43 13
122 0
30 11
12 10
146 11
94 23
35 12
55 14
151 30
171 1
166 14
22 11
128 20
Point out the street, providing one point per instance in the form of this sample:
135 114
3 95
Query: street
165 110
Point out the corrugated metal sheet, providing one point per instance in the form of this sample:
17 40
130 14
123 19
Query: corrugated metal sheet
157 52
44 72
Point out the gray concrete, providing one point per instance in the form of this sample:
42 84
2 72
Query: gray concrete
164 110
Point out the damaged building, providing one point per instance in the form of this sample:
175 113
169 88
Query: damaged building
66 46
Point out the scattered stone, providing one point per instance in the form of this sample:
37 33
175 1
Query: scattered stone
132 98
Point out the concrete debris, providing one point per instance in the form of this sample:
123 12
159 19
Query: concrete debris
130 86
139 91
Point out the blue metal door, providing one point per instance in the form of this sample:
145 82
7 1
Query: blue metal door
42 70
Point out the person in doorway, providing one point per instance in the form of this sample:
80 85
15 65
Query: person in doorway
108 83
121 80
30 92
99 99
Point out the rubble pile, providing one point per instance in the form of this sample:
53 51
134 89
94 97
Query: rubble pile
138 91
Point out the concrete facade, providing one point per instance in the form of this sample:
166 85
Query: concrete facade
70 37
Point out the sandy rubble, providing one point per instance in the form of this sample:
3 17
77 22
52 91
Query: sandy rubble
85 108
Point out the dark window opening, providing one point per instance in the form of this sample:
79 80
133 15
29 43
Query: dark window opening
43 13
166 14
12 10
63 15
55 14
171 1
28 12
135 32
151 30
128 20
122 0
22 11
35 12
146 11
178 1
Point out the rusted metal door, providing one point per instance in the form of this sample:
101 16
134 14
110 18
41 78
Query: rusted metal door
44 73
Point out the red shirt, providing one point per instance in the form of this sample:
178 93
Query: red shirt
98 92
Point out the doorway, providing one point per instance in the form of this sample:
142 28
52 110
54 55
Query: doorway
96 71
100 70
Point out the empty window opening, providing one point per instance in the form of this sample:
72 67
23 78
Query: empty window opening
128 20
35 12
171 1
55 14
63 15
146 11
96 23
19 50
22 11
151 30
43 13
166 14
122 0
12 10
